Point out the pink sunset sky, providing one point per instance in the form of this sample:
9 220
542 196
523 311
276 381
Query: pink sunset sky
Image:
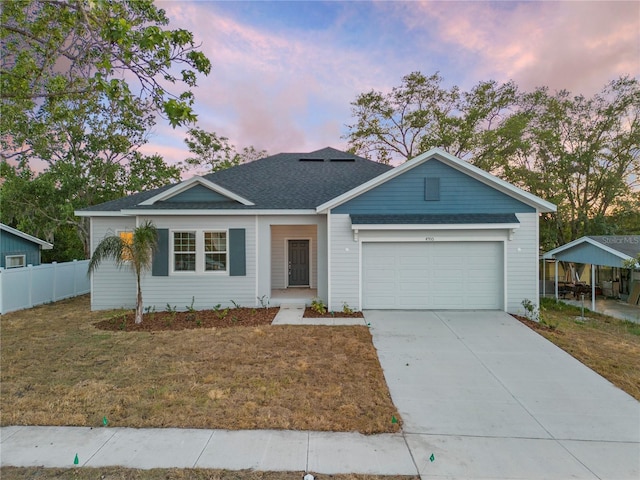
284 73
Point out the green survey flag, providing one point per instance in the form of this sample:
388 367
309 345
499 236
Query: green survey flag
75 460
432 457
105 421
394 419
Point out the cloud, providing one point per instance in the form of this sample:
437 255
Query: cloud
268 88
577 46
285 83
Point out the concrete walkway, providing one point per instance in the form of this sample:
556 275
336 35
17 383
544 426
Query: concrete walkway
614 308
293 313
481 396
267 450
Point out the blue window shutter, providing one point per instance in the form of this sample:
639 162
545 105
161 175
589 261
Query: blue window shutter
237 252
160 265
432 189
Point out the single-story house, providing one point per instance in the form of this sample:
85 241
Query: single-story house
607 256
433 233
19 249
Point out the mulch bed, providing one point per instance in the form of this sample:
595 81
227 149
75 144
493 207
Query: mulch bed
535 325
309 313
223 318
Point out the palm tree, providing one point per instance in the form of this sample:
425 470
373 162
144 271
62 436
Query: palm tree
135 253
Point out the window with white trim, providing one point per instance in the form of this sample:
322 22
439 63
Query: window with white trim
15 261
200 251
215 251
184 251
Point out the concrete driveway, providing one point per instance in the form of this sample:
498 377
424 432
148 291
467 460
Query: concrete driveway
489 398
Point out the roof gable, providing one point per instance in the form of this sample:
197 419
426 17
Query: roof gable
609 250
196 189
444 163
412 192
26 236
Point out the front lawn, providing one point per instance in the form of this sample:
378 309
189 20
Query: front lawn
607 345
58 368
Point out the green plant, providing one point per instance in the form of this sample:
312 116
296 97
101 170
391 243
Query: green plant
171 309
536 314
531 312
318 306
190 308
191 312
220 312
264 301
235 304
346 309
151 312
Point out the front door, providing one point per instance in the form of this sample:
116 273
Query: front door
298 263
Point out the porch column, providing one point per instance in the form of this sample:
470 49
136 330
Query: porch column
556 277
593 288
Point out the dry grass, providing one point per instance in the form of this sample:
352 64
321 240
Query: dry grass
608 346
58 369
118 473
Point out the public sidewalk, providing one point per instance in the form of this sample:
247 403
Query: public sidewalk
264 450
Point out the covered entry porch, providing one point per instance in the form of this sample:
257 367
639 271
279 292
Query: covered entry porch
294 254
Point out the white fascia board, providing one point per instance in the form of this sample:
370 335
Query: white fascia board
44 244
98 213
437 226
550 255
183 186
532 200
209 212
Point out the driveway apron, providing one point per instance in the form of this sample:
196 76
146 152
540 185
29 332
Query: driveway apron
490 398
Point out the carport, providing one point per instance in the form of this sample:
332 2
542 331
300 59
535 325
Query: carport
600 251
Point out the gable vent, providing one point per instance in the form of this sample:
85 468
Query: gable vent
342 160
432 189
312 160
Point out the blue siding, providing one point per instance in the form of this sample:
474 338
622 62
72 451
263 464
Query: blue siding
590 254
198 193
11 244
459 193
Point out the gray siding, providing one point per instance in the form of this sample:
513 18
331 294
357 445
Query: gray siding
114 288
344 264
111 287
458 193
11 244
522 264
209 288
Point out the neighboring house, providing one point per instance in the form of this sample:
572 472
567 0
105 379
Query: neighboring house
18 249
433 233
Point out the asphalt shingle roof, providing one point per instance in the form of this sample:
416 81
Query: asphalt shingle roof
282 181
627 244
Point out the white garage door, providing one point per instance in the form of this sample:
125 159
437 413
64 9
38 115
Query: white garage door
439 275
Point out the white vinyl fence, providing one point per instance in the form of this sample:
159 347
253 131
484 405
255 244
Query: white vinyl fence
29 286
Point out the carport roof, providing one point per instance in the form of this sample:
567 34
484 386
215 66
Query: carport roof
604 250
